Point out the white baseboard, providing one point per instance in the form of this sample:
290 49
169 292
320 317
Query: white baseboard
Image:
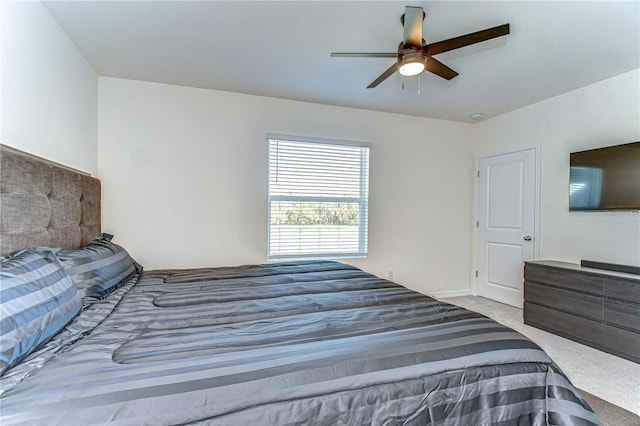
447 294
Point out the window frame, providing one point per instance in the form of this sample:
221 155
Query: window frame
363 200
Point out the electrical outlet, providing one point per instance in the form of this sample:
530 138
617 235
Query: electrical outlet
390 274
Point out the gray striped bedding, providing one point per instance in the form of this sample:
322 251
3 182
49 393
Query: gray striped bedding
37 299
98 267
298 343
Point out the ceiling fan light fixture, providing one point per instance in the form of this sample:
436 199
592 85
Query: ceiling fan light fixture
411 68
412 63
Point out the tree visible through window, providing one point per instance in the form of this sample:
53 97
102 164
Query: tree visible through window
318 198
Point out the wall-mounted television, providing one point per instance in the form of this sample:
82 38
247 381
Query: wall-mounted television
605 178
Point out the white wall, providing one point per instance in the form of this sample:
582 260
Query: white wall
184 170
605 113
49 92
184 175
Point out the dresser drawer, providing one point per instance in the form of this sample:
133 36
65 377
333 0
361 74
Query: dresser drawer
626 315
622 289
564 279
607 338
564 300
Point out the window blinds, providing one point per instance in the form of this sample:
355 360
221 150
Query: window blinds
318 198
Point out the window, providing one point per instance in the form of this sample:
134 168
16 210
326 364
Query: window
318 198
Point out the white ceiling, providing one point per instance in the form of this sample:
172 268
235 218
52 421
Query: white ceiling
281 49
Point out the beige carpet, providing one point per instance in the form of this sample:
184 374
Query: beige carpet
611 415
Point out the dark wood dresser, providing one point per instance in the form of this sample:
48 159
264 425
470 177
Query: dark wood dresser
595 307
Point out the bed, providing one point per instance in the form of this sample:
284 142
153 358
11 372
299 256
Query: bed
306 342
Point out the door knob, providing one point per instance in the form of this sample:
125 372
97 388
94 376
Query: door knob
527 238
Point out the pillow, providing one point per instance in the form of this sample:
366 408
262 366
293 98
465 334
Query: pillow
99 267
37 299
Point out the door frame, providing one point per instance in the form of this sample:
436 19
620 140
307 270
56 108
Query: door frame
476 200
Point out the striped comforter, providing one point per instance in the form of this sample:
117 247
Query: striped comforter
283 344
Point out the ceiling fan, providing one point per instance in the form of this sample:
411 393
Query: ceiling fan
415 55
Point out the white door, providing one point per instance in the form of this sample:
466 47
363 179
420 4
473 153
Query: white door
506 220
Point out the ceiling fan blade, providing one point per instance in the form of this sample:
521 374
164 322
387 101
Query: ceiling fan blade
438 68
364 55
466 40
412 22
393 68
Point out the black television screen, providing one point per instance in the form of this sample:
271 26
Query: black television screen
605 178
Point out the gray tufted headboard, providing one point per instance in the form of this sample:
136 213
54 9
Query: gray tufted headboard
45 204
